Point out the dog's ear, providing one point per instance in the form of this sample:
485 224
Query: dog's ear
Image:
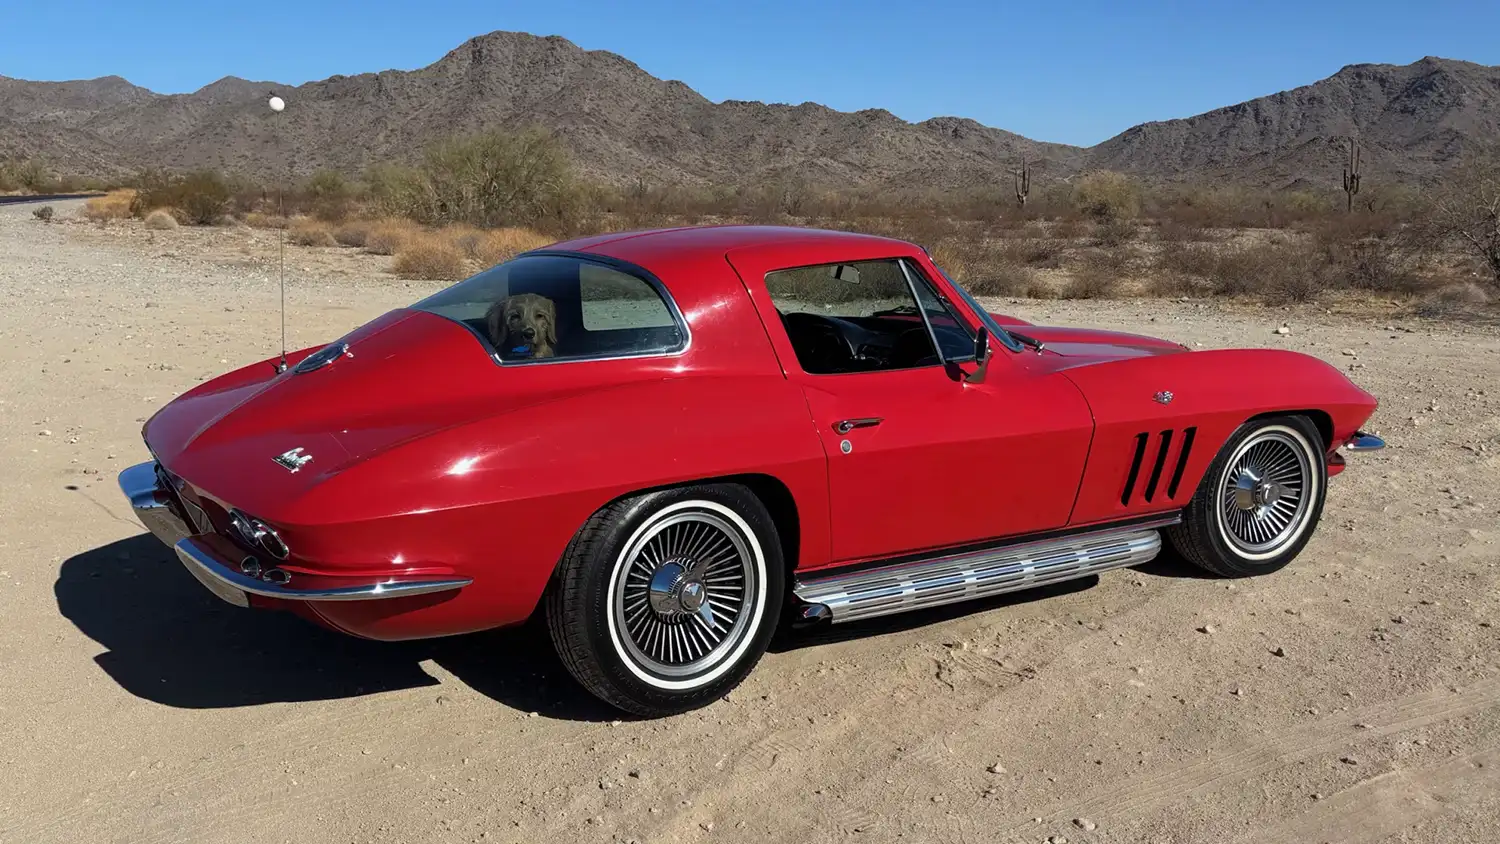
497 324
551 310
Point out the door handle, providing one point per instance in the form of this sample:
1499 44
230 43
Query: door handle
844 426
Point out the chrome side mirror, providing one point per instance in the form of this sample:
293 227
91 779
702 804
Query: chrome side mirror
981 357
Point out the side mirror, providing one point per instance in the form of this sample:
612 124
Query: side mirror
981 357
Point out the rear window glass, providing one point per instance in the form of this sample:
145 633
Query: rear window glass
547 307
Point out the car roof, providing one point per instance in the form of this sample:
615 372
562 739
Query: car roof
713 241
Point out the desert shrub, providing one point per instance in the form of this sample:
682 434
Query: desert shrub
161 219
201 197
1278 273
305 232
1466 211
386 237
1453 300
1171 230
329 196
397 191
1089 282
353 233
114 205
1045 253
29 175
1191 259
1066 230
501 245
499 178
429 257
1105 195
261 220
465 237
44 213
1114 232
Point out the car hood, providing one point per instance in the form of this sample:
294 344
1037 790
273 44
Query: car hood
1069 347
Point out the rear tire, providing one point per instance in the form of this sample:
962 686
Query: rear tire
665 601
1259 501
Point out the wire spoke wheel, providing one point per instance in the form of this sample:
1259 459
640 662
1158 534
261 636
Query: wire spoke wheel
681 604
1266 492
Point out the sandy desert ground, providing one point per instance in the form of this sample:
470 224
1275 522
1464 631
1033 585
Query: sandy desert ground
1354 697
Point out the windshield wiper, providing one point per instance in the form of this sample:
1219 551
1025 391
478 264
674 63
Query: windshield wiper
1026 341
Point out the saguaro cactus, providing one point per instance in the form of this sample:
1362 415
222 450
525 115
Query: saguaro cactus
1351 175
1022 177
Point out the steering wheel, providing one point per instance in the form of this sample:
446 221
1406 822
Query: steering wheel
821 347
913 347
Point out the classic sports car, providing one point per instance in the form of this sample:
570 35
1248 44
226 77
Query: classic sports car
668 442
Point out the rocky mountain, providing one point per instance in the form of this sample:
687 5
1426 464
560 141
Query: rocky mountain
622 124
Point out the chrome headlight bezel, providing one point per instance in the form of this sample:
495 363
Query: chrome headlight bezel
258 535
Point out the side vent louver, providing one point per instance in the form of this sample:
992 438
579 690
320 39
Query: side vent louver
1135 466
1158 466
1161 459
1182 459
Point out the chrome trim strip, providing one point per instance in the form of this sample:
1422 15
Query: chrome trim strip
902 587
148 499
204 563
1362 441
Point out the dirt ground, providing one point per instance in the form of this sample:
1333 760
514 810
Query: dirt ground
1353 697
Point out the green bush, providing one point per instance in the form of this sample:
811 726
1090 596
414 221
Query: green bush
329 195
199 198
499 178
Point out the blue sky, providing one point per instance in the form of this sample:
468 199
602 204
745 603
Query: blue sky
1058 71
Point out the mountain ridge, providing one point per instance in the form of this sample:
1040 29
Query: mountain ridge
622 124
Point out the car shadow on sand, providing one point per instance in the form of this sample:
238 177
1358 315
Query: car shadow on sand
168 640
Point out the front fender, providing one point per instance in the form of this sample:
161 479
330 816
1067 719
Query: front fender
1211 394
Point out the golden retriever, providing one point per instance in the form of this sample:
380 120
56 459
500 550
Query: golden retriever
523 325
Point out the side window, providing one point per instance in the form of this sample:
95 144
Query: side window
543 307
859 317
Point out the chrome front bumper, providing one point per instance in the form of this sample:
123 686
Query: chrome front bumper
234 582
1362 441
151 502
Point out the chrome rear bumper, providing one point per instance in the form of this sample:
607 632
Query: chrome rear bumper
236 581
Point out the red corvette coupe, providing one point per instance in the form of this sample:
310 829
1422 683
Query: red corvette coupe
669 441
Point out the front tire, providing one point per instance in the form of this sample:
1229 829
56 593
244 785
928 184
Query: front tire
665 601
1259 501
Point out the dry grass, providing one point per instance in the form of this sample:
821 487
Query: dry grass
260 220
353 233
309 232
429 256
161 220
500 245
1096 277
114 205
387 237
1460 299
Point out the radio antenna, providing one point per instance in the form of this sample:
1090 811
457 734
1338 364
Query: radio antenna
278 105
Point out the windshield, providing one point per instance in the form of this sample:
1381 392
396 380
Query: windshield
989 321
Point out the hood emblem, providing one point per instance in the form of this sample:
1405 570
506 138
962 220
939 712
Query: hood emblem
1163 397
293 460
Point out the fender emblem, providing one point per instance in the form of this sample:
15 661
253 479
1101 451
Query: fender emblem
1163 397
293 460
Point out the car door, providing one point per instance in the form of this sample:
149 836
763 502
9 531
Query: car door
919 458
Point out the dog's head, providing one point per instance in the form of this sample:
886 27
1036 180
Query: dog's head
523 325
